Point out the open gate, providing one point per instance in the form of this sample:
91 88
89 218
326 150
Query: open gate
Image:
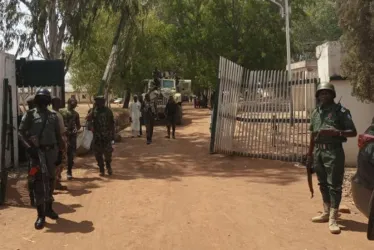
260 114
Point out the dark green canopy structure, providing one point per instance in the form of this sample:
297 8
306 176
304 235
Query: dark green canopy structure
39 73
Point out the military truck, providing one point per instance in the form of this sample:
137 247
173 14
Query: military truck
160 95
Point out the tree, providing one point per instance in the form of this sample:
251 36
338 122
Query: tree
316 24
356 19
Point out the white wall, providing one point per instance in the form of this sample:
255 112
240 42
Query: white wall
362 115
8 70
329 60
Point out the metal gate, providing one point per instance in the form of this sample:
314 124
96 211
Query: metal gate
260 114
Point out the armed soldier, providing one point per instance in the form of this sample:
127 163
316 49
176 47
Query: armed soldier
103 134
72 124
331 124
40 132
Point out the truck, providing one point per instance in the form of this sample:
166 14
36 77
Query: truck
161 95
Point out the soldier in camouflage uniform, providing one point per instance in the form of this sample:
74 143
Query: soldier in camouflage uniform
330 125
103 129
40 133
72 124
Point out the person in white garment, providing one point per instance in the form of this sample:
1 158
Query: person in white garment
135 115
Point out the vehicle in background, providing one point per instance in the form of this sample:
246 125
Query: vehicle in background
160 96
363 180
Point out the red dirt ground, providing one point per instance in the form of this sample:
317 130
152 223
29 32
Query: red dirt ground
174 195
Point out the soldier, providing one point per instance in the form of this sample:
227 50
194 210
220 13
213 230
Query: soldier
171 116
149 113
56 104
40 133
103 134
72 124
330 125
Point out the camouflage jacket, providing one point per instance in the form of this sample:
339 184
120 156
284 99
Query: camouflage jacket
103 124
71 121
334 116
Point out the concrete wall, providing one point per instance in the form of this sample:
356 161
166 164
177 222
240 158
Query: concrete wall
362 114
303 97
329 60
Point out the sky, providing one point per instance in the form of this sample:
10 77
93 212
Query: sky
68 86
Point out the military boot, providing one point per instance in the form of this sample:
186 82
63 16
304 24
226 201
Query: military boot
333 225
49 211
109 168
324 217
173 135
40 221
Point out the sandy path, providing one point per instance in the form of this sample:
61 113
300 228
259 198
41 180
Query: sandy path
174 195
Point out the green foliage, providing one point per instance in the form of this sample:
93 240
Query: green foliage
317 25
188 36
356 19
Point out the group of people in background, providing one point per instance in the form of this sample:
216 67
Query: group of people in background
50 139
143 112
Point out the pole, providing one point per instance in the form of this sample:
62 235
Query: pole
288 45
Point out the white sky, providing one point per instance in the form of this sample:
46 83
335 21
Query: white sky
13 51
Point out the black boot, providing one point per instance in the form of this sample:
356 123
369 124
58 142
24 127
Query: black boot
109 168
40 221
49 211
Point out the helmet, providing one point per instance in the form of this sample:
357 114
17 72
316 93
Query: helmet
326 86
44 94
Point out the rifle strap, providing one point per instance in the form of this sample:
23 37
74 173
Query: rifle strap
44 122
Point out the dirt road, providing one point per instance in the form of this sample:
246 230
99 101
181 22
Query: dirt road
174 195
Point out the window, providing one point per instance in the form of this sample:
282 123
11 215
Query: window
168 84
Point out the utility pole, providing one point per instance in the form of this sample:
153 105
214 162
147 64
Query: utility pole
285 13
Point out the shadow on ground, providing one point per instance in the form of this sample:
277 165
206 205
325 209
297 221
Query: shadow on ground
168 159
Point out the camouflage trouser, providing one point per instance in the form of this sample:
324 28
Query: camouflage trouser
60 167
103 148
329 166
72 148
39 187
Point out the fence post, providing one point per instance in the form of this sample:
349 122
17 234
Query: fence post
215 113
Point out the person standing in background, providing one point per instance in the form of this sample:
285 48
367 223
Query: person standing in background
149 112
141 119
135 115
61 158
170 113
72 124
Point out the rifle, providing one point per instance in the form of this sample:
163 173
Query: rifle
310 170
33 142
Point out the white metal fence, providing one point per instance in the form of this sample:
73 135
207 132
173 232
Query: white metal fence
262 115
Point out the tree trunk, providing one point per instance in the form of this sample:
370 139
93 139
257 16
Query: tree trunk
127 99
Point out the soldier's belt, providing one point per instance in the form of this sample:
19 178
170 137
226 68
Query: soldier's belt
328 145
46 147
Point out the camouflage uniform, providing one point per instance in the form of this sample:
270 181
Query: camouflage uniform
103 135
71 121
328 155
